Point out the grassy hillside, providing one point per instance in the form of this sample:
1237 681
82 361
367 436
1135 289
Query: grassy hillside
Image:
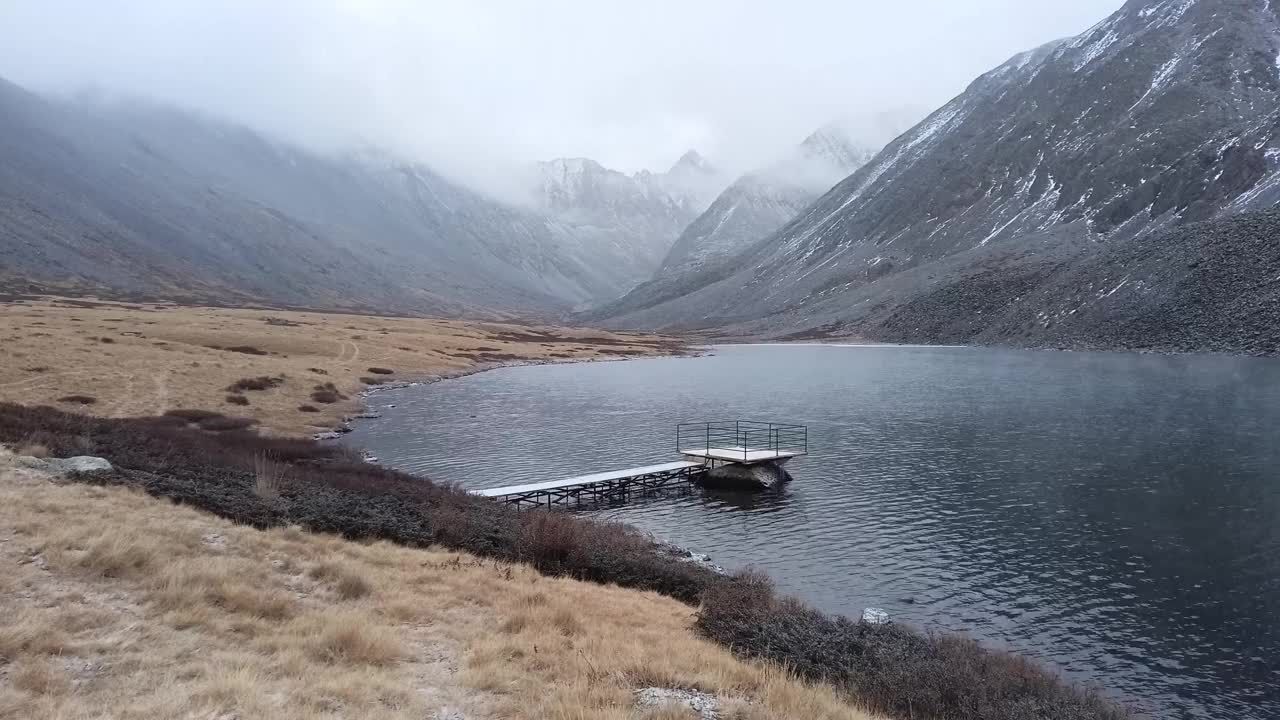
270 367
119 605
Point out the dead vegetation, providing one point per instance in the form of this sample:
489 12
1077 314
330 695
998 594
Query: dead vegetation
246 350
256 384
891 668
78 399
238 474
191 355
144 609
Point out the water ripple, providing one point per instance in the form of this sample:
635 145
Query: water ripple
1117 516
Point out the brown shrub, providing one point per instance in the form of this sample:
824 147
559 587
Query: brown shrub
106 340
347 582
269 476
381 371
37 369
246 349
308 409
350 640
259 383
318 371
550 539
79 399
893 669
192 415
223 424
374 381
237 400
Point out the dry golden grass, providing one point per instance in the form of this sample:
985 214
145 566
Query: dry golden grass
114 604
164 357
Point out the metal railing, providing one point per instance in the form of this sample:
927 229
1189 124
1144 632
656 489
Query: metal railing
744 436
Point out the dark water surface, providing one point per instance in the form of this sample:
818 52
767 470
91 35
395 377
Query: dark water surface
1114 515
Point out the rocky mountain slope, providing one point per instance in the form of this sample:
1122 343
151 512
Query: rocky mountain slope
149 200
760 202
753 207
1162 115
637 217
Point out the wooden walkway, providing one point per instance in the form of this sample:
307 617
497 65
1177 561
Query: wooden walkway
615 484
704 446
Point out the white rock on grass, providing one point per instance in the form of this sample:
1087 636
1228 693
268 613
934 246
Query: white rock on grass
875 616
80 463
83 463
707 706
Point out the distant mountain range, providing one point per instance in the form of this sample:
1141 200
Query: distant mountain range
1111 190
1014 213
140 199
639 215
754 206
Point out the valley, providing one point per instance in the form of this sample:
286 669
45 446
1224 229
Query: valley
229 273
284 372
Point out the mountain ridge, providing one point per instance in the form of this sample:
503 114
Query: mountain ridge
149 199
1163 114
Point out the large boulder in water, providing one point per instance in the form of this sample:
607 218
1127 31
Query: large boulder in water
762 476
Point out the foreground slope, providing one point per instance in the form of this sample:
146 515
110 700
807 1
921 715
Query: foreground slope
1164 114
149 200
117 605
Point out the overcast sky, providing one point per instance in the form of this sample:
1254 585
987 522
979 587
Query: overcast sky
478 84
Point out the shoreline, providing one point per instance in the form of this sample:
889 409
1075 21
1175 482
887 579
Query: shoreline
864 343
347 424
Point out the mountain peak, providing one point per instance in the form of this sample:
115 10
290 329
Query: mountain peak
572 166
693 161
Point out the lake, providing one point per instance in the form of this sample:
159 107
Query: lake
1116 516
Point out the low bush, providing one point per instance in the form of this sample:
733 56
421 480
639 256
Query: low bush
308 408
106 340
237 400
192 415
326 394
318 371
246 349
374 381
223 424
269 476
892 668
381 371
334 491
256 384
78 399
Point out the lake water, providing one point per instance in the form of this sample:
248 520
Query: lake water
1116 516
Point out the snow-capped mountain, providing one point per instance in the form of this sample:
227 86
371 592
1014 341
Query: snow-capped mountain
755 206
637 216
146 199
1165 113
759 202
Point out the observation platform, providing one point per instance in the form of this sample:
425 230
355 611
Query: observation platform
704 445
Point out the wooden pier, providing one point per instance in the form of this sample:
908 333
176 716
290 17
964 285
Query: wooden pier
704 445
618 485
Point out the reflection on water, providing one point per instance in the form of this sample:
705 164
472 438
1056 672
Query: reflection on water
1114 515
